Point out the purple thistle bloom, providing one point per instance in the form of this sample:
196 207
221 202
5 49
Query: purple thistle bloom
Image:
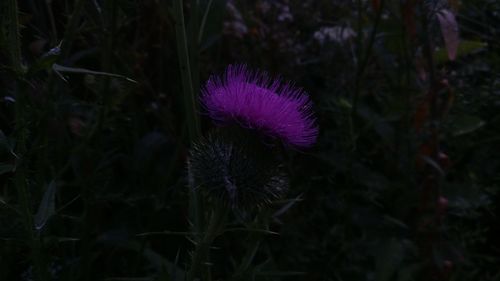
255 101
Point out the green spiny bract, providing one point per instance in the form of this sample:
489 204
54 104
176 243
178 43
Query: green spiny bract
236 169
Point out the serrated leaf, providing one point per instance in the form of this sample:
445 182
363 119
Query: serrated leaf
449 29
47 207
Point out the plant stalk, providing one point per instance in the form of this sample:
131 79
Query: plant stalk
202 250
21 184
13 37
187 65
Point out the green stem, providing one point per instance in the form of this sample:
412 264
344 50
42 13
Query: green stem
20 177
189 87
13 37
23 192
202 250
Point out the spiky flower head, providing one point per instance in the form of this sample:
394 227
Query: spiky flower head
236 170
253 100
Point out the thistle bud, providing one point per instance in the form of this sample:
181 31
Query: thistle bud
236 170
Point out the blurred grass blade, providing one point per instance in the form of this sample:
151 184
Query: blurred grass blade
12 36
190 101
4 142
166 232
6 168
466 124
287 206
388 259
72 27
59 68
47 206
204 21
246 229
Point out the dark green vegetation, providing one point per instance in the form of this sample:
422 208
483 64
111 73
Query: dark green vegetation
99 108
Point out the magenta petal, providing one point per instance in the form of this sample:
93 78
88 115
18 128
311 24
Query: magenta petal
253 100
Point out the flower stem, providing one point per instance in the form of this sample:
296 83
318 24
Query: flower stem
202 250
22 189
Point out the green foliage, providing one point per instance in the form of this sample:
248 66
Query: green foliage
98 114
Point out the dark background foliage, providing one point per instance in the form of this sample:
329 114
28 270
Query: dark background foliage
402 184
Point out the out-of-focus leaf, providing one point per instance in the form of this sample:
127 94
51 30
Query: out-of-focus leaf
46 61
344 103
379 123
134 279
421 114
246 229
465 47
286 207
6 168
449 29
67 239
163 276
276 273
454 5
5 144
120 239
43 63
466 124
47 206
433 164
246 262
388 260
3 140
395 222
409 18
408 273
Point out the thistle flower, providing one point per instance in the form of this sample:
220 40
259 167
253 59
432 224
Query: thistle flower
255 101
236 171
